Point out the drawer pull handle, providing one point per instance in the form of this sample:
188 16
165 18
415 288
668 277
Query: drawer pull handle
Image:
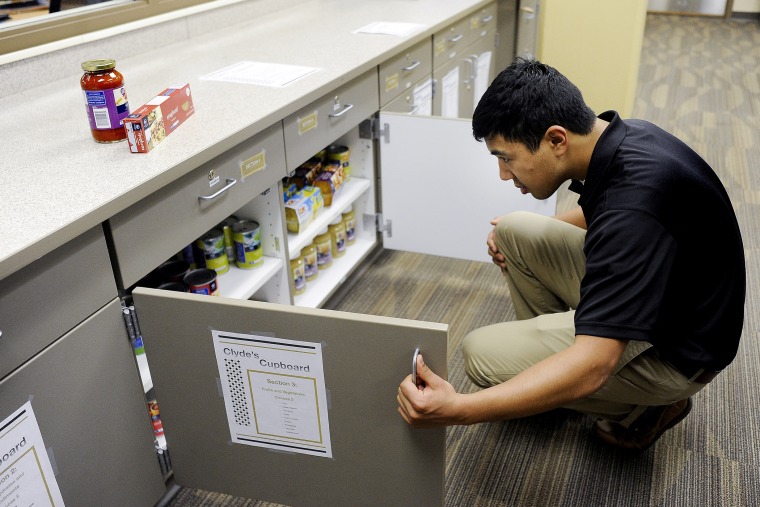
412 66
528 10
230 183
345 109
456 38
487 19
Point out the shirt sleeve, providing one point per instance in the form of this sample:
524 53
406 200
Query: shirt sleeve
629 255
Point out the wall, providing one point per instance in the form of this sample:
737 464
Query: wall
746 6
597 45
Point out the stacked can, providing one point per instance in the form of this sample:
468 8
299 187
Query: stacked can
246 235
214 251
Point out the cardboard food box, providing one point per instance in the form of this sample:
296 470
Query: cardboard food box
151 123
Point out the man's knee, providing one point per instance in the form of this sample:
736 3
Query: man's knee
478 353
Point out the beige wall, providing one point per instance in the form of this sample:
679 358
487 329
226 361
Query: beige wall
597 45
746 6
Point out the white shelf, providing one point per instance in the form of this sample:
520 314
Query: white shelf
243 283
319 289
350 191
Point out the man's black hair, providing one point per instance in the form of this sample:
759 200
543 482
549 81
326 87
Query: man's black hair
525 100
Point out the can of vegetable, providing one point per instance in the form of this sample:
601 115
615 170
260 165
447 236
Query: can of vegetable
212 246
202 281
246 234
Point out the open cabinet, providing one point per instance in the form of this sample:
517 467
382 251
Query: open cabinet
217 382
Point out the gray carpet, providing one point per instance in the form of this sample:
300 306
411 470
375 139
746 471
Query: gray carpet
699 79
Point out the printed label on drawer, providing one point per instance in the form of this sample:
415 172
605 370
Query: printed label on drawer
474 22
391 82
254 164
440 47
307 123
213 179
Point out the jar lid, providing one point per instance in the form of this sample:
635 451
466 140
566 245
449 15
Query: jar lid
348 209
100 64
337 220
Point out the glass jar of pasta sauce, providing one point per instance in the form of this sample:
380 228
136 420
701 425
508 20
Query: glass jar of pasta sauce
105 100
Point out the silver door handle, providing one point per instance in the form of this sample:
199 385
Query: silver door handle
456 38
345 109
230 183
487 19
528 10
412 66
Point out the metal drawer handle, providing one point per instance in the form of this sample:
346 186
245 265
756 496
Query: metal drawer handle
231 182
528 10
487 19
413 66
346 109
456 38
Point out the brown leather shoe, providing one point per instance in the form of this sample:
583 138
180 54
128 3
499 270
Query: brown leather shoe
645 430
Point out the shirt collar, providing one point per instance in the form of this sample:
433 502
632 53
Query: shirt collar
601 157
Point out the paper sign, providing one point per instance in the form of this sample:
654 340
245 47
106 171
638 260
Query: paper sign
275 75
391 28
274 392
26 475
450 94
423 98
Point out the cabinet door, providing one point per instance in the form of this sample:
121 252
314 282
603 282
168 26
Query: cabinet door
440 188
376 458
88 402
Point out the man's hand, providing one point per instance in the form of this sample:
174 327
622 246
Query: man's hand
429 405
496 256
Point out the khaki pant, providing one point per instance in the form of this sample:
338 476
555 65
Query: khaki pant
545 265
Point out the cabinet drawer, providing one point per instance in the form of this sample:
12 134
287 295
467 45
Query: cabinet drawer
44 300
87 399
449 42
162 224
406 103
398 73
314 127
482 22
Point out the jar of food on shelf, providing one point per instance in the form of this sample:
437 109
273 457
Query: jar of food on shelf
338 236
349 222
299 276
309 254
105 100
323 242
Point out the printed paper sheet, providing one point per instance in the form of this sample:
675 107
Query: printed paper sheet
274 392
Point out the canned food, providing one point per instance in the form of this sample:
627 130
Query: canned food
299 276
173 271
340 154
212 246
338 236
229 245
323 242
309 254
349 221
202 281
247 237
173 286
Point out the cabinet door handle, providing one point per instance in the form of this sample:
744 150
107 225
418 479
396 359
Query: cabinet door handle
456 38
487 19
413 66
231 182
345 109
528 10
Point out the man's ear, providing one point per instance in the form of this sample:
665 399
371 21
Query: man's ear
557 137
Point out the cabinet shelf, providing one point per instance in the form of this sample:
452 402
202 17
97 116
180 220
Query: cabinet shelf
351 190
243 283
328 280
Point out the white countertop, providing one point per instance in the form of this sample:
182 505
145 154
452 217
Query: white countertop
56 182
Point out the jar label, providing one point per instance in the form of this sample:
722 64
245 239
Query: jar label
106 109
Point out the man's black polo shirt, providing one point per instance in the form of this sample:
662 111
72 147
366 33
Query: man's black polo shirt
664 255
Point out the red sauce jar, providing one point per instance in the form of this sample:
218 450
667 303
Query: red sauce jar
105 100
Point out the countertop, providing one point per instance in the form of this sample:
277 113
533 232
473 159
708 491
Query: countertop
56 182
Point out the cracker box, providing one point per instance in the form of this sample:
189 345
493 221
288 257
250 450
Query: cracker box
150 124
